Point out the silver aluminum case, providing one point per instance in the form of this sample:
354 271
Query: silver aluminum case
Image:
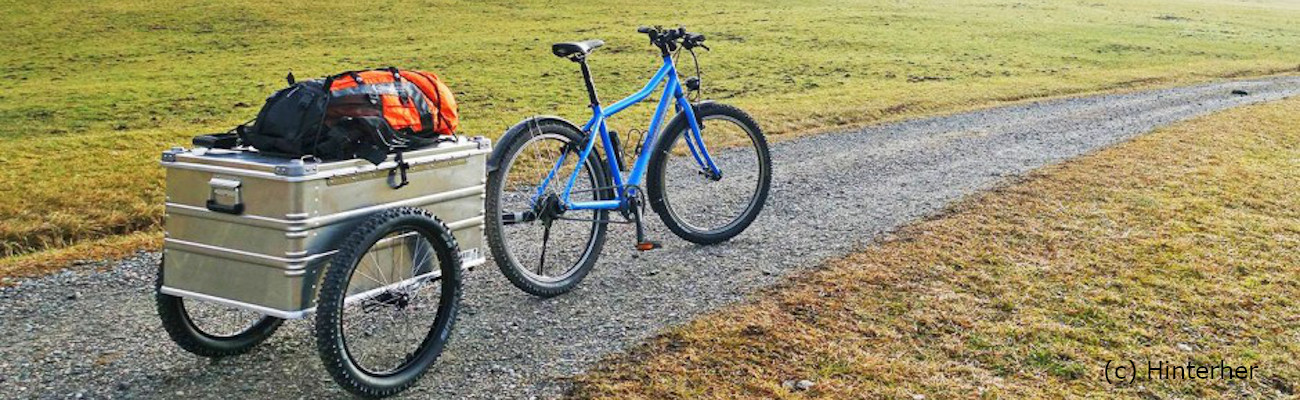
295 214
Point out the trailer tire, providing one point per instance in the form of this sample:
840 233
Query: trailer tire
181 328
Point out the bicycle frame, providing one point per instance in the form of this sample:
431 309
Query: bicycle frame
694 141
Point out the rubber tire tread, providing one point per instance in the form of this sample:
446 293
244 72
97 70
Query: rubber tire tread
329 336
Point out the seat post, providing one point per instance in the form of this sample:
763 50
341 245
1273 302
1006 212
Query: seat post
586 77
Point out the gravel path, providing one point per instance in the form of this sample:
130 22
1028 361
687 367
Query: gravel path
95 334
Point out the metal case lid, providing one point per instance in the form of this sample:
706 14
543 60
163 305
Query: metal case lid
251 163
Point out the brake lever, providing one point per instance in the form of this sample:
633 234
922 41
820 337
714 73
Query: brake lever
706 48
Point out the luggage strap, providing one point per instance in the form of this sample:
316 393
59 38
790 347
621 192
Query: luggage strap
401 168
426 117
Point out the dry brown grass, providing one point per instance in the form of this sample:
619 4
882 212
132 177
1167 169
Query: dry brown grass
112 247
1182 245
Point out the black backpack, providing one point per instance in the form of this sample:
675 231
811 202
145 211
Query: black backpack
293 124
290 122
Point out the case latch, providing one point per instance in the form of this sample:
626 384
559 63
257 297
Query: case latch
298 167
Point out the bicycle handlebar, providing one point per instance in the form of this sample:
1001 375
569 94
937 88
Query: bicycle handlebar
668 39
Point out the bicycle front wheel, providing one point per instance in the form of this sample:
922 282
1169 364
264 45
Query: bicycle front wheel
542 247
697 202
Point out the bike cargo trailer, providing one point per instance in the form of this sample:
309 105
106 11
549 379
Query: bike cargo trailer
254 232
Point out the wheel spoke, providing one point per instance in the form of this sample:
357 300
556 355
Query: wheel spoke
380 268
422 255
359 271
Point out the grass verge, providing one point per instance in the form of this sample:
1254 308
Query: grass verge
1179 246
96 89
107 248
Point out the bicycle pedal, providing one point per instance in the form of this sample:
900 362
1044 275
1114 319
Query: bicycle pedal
648 245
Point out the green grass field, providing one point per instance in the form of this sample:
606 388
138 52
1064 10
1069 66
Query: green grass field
95 89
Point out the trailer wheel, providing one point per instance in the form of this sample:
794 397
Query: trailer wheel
388 302
210 329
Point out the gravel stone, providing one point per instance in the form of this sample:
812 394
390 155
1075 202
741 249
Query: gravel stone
832 194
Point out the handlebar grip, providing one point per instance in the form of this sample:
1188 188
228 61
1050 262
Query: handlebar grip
644 29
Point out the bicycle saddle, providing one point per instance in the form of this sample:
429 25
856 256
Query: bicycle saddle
567 49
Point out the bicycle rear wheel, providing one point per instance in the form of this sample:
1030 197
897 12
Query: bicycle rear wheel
542 248
695 203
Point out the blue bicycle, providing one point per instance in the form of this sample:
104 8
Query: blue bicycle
551 190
